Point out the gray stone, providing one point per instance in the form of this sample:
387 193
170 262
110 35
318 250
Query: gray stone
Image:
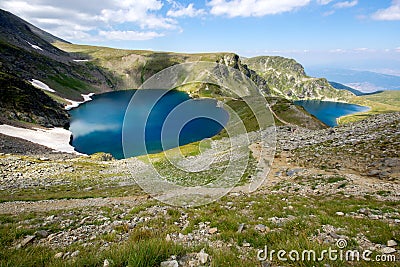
364 211
339 213
373 173
261 228
388 250
168 238
293 172
213 230
106 263
75 253
202 256
42 233
58 255
240 228
172 263
50 218
334 235
391 243
28 239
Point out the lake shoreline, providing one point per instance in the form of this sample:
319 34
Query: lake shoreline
329 112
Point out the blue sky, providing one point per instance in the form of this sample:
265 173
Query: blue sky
354 33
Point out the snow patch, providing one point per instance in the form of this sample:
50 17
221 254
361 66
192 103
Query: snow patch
42 85
35 46
55 138
75 104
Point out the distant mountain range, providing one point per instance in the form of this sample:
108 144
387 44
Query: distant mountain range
363 81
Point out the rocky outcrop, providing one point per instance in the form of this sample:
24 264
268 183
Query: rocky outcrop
287 78
234 61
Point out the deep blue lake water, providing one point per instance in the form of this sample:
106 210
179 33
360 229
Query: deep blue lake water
156 120
327 111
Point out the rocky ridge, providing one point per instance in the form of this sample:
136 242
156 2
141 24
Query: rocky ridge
287 78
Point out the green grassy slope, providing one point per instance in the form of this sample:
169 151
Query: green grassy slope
385 102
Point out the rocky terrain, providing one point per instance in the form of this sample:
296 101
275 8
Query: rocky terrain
325 186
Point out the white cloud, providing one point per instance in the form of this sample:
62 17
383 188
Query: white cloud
139 12
129 35
79 20
253 8
390 13
346 4
324 2
338 51
328 13
361 49
188 11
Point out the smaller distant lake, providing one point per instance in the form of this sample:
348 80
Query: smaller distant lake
327 111
157 120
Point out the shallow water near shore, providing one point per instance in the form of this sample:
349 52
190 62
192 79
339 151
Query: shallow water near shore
328 112
97 125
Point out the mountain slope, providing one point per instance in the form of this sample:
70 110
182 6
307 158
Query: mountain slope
287 79
20 101
27 54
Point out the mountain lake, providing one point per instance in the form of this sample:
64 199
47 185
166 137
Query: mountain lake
327 111
153 121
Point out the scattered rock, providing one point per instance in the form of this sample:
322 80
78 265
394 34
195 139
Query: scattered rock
168 238
391 243
246 244
106 263
202 256
50 218
42 233
388 250
75 253
213 230
28 239
334 235
261 228
240 228
58 255
339 213
293 172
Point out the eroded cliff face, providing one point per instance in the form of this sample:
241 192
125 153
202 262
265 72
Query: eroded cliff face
234 61
287 78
